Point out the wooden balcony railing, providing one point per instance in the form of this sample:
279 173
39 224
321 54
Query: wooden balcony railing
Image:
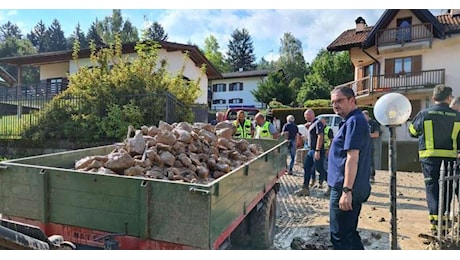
408 81
414 33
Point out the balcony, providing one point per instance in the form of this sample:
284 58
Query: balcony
46 90
401 82
415 37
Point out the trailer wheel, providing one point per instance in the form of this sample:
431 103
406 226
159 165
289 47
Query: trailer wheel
240 237
262 228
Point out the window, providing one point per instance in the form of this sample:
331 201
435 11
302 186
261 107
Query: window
403 34
219 101
235 101
235 86
221 87
408 66
55 85
403 65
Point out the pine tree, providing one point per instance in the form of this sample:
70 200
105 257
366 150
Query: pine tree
240 54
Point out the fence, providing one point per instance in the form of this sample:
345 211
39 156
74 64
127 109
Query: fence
449 208
19 112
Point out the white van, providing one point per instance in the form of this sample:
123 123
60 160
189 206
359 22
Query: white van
332 120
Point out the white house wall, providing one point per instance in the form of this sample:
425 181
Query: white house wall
175 62
55 70
249 84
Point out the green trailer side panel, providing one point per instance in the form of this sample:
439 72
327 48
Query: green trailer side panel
94 201
46 188
20 193
179 215
238 189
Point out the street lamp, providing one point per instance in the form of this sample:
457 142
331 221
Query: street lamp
392 110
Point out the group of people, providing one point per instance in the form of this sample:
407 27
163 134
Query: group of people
245 128
350 166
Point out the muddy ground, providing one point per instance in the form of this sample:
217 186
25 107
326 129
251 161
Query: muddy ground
307 217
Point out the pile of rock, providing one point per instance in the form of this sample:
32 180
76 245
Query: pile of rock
198 153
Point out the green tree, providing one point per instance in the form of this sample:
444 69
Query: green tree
78 35
129 33
155 32
9 29
240 54
264 64
56 38
94 33
113 25
38 36
12 47
212 53
121 89
274 87
326 71
291 60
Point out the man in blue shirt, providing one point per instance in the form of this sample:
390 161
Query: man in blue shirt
291 131
314 160
348 171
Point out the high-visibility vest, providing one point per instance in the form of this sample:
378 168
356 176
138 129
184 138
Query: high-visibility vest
243 131
327 138
437 129
263 131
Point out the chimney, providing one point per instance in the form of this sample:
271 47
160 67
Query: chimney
360 24
453 12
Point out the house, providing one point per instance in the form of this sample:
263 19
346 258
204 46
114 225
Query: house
234 89
54 66
408 51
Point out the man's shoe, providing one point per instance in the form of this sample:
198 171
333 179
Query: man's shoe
302 192
290 172
320 185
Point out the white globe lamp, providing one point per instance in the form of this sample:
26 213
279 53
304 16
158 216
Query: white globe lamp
392 110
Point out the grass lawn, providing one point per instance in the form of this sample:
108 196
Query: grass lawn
12 126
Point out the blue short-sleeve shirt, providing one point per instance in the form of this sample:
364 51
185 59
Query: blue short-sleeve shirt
353 134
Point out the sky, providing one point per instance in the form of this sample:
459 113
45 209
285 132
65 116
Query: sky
187 21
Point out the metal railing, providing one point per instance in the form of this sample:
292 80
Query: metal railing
44 90
401 35
448 227
405 81
18 113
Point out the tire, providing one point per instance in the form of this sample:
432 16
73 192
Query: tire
240 237
262 222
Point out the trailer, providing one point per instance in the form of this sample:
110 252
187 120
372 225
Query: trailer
105 211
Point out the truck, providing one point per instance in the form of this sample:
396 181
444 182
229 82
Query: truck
108 211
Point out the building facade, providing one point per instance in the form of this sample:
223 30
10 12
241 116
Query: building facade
234 89
408 51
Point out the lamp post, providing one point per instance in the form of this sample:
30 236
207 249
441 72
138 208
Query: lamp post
392 110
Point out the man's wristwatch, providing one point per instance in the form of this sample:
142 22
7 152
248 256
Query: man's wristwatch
346 189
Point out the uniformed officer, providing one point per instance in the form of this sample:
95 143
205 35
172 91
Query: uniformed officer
437 129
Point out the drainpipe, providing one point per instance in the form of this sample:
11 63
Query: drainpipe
378 63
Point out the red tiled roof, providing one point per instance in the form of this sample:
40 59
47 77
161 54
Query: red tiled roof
451 23
349 38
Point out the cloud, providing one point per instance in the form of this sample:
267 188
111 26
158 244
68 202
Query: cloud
316 29
12 13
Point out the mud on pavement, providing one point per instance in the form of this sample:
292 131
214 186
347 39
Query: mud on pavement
306 219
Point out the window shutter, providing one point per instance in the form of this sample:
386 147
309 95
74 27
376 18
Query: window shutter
389 68
417 65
